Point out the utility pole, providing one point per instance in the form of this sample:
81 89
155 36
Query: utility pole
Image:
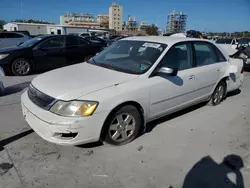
22 8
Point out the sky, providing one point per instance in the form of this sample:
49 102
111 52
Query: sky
203 15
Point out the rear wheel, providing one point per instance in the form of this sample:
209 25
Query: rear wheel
218 95
123 126
21 67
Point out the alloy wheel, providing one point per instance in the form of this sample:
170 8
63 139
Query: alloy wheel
122 127
21 67
218 95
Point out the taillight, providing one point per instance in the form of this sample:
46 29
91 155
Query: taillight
242 70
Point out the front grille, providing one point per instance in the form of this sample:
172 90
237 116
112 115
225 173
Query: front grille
40 99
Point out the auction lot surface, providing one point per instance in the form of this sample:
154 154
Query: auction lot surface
162 157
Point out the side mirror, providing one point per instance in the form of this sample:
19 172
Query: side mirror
168 71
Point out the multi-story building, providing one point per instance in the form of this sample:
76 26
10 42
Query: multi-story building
131 24
176 22
84 20
103 19
115 17
143 26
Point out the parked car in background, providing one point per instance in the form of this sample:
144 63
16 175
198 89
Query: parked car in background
96 40
81 34
8 39
136 80
2 74
47 52
231 41
243 42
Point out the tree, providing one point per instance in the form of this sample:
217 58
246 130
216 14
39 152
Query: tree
152 30
2 22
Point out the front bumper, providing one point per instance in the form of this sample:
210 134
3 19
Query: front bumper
62 130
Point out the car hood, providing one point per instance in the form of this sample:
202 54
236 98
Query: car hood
75 81
10 49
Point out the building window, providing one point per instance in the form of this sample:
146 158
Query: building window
118 9
114 14
114 9
114 23
114 18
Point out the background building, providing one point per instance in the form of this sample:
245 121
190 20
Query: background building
115 17
103 19
84 20
143 26
176 22
131 24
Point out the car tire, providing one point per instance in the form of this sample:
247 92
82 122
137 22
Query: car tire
123 126
21 67
218 94
88 57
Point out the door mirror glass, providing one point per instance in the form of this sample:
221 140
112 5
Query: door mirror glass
168 71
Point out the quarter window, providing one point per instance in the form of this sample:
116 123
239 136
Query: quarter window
204 54
178 57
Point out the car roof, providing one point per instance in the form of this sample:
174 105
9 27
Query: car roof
163 39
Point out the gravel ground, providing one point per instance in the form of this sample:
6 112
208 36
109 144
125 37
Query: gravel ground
162 157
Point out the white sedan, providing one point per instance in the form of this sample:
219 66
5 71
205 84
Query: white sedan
136 80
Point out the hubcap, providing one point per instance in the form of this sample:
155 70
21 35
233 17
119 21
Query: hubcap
122 127
218 96
22 67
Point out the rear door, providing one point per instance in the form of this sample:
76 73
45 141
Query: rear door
210 67
50 53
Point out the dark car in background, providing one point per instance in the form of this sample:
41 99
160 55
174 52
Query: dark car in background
96 40
47 52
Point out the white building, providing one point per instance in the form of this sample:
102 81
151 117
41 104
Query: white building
36 29
115 17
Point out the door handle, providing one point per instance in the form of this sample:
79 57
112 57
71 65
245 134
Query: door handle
191 77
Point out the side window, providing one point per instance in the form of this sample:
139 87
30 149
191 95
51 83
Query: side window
71 41
82 42
204 54
179 56
55 42
13 35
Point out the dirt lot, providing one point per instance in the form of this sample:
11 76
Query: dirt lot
162 157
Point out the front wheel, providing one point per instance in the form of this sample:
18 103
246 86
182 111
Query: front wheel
218 95
21 67
123 126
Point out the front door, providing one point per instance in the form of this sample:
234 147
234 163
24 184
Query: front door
170 93
50 54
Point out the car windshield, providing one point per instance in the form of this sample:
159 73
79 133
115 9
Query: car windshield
31 42
134 57
224 41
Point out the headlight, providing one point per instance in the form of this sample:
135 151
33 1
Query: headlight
74 108
2 56
242 55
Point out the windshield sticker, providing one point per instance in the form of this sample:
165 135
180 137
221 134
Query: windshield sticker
142 68
151 45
